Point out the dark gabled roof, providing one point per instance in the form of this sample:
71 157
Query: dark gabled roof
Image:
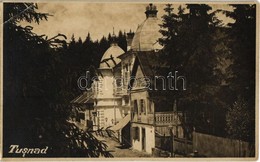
151 66
145 62
125 54
150 62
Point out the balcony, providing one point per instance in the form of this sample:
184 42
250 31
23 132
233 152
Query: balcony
143 118
159 118
120 91
167 118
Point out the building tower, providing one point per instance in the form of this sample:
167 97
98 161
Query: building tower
107 105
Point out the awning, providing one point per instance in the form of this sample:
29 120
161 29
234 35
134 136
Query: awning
121 124
86 97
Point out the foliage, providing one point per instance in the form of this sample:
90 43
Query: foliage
243 48
69 141
243 69
38 86
190 41
16 12
239 120
215 60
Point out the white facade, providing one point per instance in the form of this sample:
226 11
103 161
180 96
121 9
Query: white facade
113 101
145 141
110 108
142 123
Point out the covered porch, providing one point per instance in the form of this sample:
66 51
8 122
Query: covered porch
83 110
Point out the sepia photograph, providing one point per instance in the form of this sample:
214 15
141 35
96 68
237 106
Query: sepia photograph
129 80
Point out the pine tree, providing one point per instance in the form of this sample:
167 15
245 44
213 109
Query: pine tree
80 41
37 92
190 40
242 34
121 39
88 40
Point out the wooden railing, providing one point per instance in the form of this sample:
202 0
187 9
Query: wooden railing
159 118
164 118
167 118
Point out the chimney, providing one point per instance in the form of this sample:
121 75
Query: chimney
129 39
151 11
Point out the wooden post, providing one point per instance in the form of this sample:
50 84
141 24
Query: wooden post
194 139
186 145
172 142
239 148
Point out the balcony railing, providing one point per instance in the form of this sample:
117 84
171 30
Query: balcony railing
143 118
166 118
159 118
120 91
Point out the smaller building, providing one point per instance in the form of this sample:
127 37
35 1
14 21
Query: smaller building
152 115
83 108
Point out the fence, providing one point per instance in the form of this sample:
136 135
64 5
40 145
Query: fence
205 145
163 142
214 146
179 145
182 146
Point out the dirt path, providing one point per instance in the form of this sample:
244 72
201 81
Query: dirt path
118 151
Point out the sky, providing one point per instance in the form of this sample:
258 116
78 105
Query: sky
98 19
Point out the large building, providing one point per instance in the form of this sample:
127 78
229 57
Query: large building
120 103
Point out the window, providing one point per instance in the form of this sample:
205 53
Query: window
142 106
135 133
126 101
126 77
149 109
135 106
118 82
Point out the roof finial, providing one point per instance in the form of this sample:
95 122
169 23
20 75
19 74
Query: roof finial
151 11
113 31
113 38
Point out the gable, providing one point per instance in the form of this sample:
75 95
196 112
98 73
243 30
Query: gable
139 73
145 67
138 79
